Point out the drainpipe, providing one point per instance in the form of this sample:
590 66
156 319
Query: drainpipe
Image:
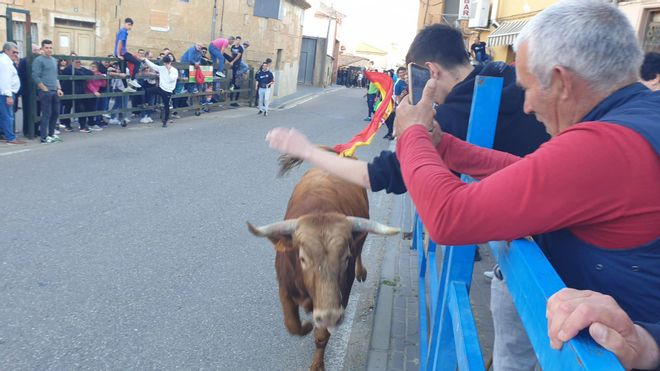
214 18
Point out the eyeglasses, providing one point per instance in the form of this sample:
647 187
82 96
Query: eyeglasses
14 51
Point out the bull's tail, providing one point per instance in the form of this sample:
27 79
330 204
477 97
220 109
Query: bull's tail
287 163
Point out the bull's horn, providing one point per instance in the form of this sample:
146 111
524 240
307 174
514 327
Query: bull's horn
285 227
366 225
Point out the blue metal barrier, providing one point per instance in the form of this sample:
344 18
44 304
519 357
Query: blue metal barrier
444 304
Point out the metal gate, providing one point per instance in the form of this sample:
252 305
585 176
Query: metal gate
307 58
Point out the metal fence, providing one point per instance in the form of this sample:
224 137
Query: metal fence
448 334
220 89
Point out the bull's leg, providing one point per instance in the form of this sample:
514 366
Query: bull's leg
360 270
321 336
292 316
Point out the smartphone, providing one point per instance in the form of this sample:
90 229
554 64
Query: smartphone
417 78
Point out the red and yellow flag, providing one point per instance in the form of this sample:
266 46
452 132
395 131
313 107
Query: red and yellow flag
385 85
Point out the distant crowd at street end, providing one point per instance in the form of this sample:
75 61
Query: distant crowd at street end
150 84
575 165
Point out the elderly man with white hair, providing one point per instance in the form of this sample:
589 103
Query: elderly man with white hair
589 195
9 85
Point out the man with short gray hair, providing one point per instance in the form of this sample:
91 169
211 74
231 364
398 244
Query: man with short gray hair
9 85
589 195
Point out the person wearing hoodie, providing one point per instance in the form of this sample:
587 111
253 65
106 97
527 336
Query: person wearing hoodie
440 48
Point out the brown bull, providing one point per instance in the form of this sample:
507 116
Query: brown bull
318 253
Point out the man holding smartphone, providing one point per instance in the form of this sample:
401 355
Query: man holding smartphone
441 50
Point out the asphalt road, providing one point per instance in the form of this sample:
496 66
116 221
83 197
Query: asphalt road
127 249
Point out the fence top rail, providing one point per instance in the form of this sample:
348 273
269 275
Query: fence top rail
85 58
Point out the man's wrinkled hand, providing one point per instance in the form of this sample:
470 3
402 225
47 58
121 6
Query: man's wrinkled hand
290 142
422 113
569 311
436 133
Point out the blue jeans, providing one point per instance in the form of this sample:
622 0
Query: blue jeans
149 99
371 101
120 103
50 110
101 105
7 119
216 54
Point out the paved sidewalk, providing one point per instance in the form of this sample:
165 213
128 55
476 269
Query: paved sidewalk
395 336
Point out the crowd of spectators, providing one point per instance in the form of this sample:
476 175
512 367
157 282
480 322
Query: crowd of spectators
138 78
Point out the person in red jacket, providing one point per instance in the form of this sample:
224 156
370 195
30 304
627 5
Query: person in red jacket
589 195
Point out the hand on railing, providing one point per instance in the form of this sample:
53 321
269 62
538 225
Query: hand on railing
569 311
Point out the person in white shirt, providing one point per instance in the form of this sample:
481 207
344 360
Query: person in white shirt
9 85
167 76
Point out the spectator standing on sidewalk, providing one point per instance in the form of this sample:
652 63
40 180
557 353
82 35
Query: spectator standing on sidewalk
235 62
120 102
44 74
217 49
478 51
89 104
264 80
268 61
26 89
168 75
122 53
9 86
150 81
372 92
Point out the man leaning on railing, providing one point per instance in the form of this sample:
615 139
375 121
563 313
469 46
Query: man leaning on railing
590 193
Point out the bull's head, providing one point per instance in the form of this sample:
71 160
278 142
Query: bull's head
324 244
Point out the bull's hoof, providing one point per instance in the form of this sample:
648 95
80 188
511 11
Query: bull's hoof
306 328
361 273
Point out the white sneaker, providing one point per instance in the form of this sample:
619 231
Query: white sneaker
95 128
106 116
150 119
113 122
134 83
57 132
144 120
220 74
128 90
61 126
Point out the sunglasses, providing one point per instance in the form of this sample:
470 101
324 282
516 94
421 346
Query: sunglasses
14 51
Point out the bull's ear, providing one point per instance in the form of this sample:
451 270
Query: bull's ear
278 233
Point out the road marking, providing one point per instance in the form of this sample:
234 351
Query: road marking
14 152
305 99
